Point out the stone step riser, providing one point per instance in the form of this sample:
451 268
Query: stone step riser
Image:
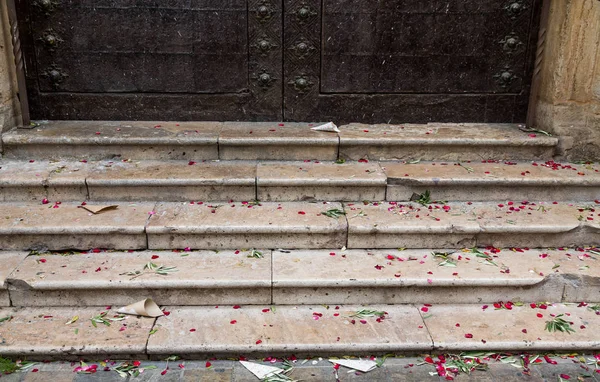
296 225
294 181
293 240
183 193
553 290
299 277
273 141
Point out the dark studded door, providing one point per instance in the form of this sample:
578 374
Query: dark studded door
300 60
153 59
408 60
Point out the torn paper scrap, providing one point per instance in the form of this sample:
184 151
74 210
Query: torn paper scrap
261 371
146 308
331 127
356 364
99 209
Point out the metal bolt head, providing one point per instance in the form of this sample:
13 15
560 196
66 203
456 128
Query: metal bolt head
304 12
511 42
50 39
515 7
302 47
263 10
264 78
264 44
301 83
54 75
506 76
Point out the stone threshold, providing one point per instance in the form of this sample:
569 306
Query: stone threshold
273 141
305 277
200 332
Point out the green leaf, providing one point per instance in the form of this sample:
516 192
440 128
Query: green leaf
256 254
334 213
7 318
340 161
558 324
363 313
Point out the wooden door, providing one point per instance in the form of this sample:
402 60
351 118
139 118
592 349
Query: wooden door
408 60
153 59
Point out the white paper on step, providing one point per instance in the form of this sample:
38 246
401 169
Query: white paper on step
261 371
356 364
146 308
331 127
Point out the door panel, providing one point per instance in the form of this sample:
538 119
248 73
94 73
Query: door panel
408 61
189 59
342 60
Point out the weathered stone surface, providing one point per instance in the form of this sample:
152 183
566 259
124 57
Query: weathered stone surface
239 225
173 181
41 333
66 226
299 181
529 224
385 225
569 80
287 330
10 260
9 110
459 225
105 139
272 141
442 142
100 279
67 181
411 277
493 181
518 329
581 270
24 180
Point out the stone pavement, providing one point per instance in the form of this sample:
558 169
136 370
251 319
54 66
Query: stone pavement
393 369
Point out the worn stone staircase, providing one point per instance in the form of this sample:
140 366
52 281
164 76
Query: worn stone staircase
468 236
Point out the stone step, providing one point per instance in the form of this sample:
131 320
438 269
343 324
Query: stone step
502 180
444 142
300 277
284 181
237 225
199 332
62 226
110 278
459 225
273 141
297 225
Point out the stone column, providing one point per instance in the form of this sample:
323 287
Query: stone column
9 109
568 102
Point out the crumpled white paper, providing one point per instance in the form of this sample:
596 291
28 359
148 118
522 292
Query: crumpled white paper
356 364
261 371
331 127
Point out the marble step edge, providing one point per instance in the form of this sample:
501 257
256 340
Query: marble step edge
300 277
192 332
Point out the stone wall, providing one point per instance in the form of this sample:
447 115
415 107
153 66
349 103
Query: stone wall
569 97
8 98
